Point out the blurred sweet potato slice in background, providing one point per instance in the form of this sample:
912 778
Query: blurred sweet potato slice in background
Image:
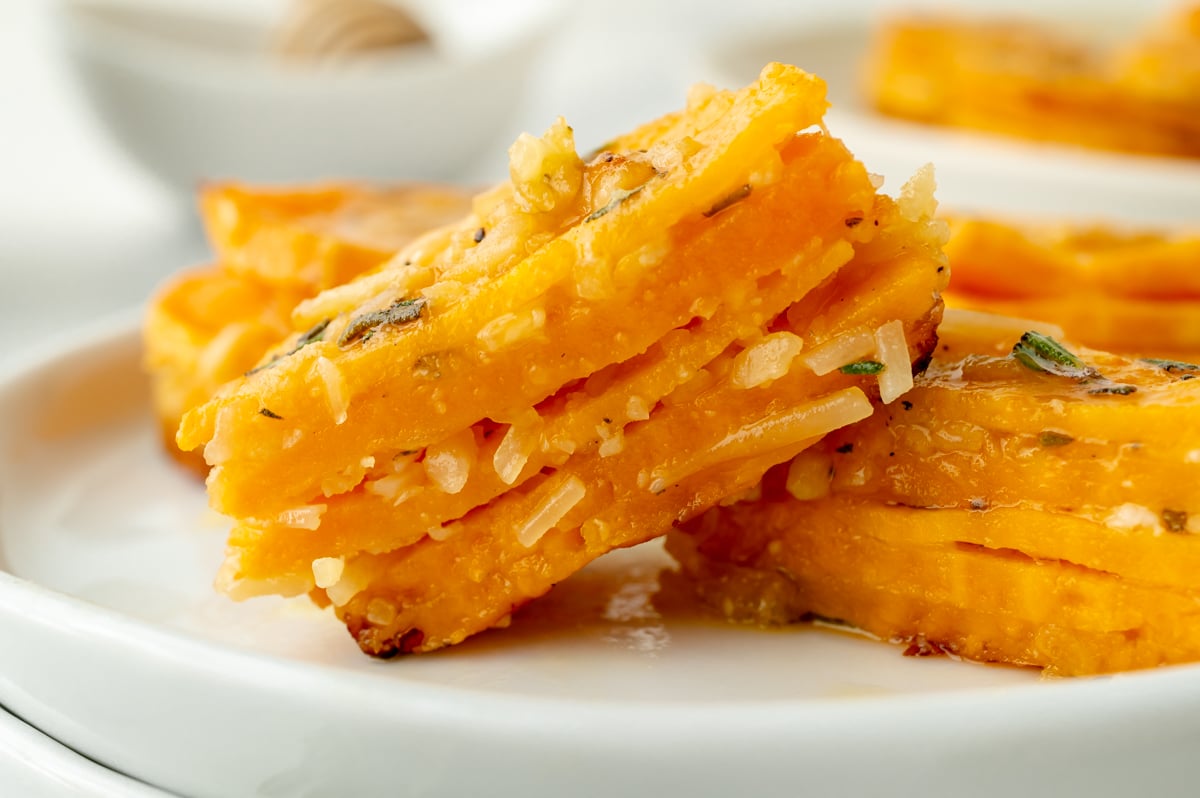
210 324
1125 291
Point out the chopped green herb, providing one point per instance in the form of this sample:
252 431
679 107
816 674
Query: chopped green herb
1051 438
312 335
399 312
1171 366
274 359
1042 353
734 197
617 198
1110 387
1175 520
266 411
862 367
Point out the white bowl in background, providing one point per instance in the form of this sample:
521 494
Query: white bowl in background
191 94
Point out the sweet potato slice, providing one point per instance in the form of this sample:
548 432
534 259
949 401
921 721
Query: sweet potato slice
211 324
1025 80
307 239
991 604
204 327
1125 291
1001 512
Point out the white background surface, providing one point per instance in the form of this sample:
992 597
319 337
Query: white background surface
83 234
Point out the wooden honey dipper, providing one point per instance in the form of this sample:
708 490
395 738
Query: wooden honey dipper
337 29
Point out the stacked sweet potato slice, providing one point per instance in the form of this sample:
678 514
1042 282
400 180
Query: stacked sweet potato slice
1030 80
1126 291
601 350
1034 505
275 248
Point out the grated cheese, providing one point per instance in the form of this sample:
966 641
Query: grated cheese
551 510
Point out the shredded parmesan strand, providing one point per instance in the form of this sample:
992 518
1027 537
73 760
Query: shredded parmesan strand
765 361
408 480
636 410
1132 516
551 510
522 439
791 426
613 444
509 328
809 475
347 587
307 517
837 352
327 571
448 464
896 378
380 611
337 393
220 448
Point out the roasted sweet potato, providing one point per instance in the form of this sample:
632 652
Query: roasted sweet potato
1031 507
308 239
202 328
1026 80
602 349
211 324
1131 292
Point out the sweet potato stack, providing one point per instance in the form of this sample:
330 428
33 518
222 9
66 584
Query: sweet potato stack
1029 80
1124 291
275 248
599 351
1035 506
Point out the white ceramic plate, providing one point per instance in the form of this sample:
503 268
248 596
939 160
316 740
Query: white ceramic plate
34 766
977 171
113 642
